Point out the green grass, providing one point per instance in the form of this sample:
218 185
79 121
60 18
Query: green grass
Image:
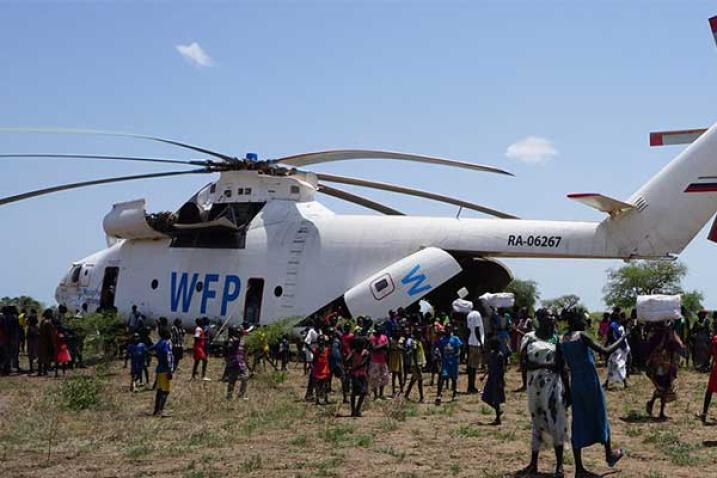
365 441
139 451
400 455
298 440
252 463
455 469
337 434
468 431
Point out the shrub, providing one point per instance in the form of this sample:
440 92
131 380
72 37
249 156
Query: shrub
81 392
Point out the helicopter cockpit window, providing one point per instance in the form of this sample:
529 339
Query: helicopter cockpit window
294 189
75 274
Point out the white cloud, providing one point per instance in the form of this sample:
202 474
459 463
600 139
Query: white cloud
195 55
532 150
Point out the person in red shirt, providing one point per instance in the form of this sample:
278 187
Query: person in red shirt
378 375
320 371
347 338
200 350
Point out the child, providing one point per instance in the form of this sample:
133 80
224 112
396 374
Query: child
395 361
200 350
320 370
284 352
177 342
358 363
449 347
236 363
336 361
165 365
137 352
494 390
417 361
62 354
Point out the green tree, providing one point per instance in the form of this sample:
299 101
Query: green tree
526 293
648 277
567 301
23 302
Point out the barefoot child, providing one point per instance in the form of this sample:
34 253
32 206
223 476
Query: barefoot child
418 361
137 353
236 363
165 365
449 347
358 363
320 371
494 390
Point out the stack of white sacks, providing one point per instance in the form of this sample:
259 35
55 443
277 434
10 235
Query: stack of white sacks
658 308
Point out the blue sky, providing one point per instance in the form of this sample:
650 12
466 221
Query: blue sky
462 80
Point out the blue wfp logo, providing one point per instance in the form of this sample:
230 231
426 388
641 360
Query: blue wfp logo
416 281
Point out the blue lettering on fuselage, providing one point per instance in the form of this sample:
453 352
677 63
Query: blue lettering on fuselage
184 285
416 281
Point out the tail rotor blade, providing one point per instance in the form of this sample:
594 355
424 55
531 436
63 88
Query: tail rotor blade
198 149
65 187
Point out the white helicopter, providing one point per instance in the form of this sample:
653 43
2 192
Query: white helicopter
255 246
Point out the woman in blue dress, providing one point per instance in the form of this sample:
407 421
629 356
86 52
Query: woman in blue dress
589 423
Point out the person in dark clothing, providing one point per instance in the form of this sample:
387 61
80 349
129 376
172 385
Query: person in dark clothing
46 348
12 332
177 334
33 339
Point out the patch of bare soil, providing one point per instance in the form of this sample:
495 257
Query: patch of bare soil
275 433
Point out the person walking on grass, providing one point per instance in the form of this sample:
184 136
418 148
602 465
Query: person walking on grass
449 347
417 362
62 354
494 390
165 365
712 383
589 420
618 358
548 396
200 350
237 369
177 334
665 350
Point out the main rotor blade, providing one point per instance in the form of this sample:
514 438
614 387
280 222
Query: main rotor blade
100 156
413 192
307 159
360 200
199 149
65 187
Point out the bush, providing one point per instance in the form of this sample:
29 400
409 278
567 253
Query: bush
81 392
269 334
102 332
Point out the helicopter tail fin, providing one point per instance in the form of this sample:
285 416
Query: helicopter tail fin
674 205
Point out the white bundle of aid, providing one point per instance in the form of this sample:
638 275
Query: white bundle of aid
462 306
656 308
501 300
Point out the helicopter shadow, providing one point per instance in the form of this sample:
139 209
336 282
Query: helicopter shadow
642 419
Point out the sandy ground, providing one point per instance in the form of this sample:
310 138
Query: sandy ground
275 433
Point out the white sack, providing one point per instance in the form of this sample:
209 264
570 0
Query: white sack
656 308
499 301
462 306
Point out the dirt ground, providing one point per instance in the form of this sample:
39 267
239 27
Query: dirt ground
275 433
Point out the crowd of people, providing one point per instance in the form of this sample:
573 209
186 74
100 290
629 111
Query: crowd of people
362 357
51 342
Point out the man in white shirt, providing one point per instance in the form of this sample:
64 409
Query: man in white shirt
476 339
